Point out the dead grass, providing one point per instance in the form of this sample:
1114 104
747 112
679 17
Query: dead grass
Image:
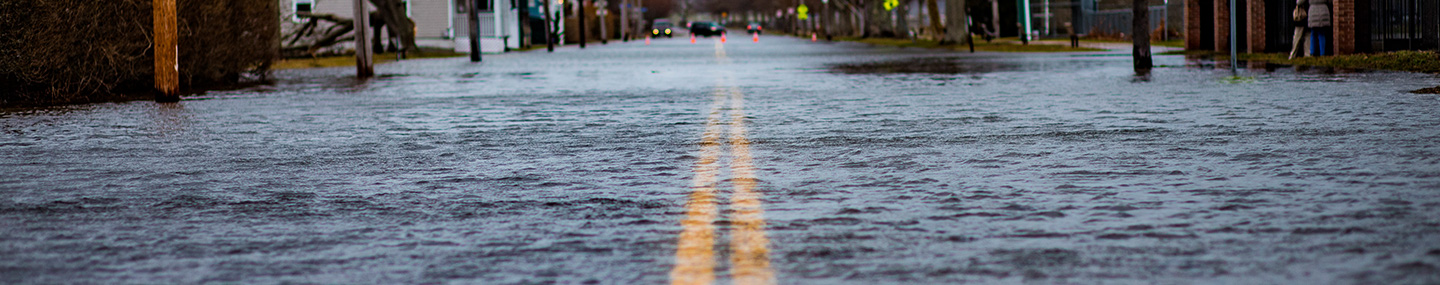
1413 61
349 60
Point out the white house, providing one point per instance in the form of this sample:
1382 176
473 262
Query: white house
438 23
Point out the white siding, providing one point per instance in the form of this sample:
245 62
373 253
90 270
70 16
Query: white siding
432 17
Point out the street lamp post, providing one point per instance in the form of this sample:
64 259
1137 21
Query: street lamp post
601 12
473 17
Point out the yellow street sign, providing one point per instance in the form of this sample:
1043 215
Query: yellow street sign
803 11
891 4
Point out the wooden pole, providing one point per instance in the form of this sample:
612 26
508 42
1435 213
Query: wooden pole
473 17
364 57
167 51
1140 33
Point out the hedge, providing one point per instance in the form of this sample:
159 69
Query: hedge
76 51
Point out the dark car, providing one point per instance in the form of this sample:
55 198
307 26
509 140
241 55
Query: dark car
706 29
753 28
662 27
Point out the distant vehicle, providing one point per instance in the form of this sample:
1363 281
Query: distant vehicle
662 27
753 28
707 29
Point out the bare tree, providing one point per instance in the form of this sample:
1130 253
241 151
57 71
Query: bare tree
393 11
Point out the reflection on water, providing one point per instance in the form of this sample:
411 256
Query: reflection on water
169 118
933 65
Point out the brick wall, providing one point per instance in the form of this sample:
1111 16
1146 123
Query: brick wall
1222 25
1192 25
1256 25
1343 19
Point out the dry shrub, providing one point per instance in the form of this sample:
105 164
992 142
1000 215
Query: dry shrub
72 51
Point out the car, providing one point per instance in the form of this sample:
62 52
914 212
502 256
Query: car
753 28
707 29
662 27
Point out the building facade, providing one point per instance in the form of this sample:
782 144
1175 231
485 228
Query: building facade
1359 26
438 23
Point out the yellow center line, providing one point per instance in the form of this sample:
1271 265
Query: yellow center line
750 256
695 252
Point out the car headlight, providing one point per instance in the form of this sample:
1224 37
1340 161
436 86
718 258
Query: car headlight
657 32
667 31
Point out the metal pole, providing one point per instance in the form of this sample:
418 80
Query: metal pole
364 57
473 17
601 12
167 52
524 19
1233 58
1026 33
581 19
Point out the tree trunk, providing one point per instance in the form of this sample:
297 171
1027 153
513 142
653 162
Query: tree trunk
393 11
935 26
902 22
957 29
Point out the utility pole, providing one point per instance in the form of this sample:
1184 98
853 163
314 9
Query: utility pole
825 20
640 14
549 33
474 18
625 20
364 57
1140 33
1233 56
167 52
581 20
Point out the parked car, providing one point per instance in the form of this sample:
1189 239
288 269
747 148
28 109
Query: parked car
753 28
707 29
662 27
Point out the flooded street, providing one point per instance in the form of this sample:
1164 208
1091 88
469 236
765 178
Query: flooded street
782 161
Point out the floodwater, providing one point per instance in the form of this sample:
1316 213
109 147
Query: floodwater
780 161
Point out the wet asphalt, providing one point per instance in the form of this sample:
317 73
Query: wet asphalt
782 161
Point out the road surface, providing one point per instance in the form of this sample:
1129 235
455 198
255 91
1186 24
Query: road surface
779 161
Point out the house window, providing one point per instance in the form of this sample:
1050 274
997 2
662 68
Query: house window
303 6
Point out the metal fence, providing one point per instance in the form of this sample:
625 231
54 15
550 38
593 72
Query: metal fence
1115 22
1405 24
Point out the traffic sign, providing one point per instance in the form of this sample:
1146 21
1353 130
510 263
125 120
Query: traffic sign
891 4
804 11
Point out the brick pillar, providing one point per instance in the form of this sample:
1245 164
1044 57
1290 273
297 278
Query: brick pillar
1222 25
1256 25
1343 20
1192 25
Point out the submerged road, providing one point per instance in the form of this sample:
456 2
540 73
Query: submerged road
773 162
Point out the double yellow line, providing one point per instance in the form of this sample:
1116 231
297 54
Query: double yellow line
695 253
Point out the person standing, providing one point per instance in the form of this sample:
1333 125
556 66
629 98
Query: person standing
1300 19
1319 27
